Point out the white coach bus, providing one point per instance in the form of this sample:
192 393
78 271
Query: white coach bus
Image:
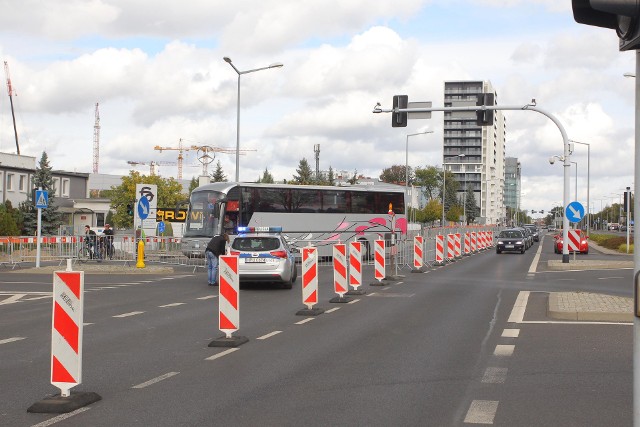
316 215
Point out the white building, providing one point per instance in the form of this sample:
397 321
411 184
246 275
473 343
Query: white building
475 154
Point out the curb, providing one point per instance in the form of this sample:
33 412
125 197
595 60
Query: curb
571 306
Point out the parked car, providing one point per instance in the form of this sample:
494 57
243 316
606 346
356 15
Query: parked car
583 246
511 240
264 257
534 231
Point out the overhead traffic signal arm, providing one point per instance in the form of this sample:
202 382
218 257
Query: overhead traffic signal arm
399 119
484 117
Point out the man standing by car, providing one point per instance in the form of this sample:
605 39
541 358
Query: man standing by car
215 248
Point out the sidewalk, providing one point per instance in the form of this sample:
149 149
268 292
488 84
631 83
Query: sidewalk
590 307
587 263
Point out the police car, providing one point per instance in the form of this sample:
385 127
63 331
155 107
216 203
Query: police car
264 256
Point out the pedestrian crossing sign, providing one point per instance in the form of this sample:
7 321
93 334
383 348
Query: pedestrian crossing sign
42 199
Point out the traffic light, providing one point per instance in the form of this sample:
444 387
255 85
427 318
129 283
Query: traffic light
542 211
399 120
130 209
620 15
485 117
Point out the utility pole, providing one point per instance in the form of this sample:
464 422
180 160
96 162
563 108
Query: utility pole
13 114
316 150
96 141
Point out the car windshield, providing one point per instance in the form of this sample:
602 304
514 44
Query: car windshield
510 233
256 244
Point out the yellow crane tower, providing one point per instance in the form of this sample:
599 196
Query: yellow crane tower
152 165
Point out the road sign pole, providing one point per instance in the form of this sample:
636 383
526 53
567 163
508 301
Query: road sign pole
38 237
636 254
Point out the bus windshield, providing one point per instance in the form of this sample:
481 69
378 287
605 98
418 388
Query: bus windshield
202 220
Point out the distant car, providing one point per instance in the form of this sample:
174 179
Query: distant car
264 256
534 231
512 240
614 226
583 245
527 235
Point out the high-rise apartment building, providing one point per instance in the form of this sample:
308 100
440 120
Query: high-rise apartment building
475 154
512 175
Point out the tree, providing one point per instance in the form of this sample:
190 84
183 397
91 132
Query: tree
267 178
305 175
51 218
354 179
218 175
331 177
471 206
10 220
429 179
193 184
169 194
454 213
396 174
432 211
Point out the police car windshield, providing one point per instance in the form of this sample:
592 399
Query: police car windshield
253 244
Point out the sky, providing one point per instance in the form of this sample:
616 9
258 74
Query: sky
156 69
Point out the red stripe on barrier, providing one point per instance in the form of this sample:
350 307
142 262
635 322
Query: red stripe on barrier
311 299
66 327
229 294
225 323
309 275
72 280
59 374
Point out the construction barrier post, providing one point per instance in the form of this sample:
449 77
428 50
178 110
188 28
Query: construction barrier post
355 268
458 248
451 247
66 345
467 244
340 273
439 249
309 282
229 302
474 242
418 254
379 263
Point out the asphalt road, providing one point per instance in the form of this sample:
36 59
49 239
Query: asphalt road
445 348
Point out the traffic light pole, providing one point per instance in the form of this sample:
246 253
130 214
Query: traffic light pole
531 107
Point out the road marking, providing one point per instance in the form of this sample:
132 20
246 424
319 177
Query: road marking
481 412
175 304
156 380
133 313
13 299
566 280
8 340
534 264
61 417
36 298
332 310
25 292
222 354
269 335
208 297
612 277
372 294
495 375
571 322
302 322
519 307
504 350
354 301
511 333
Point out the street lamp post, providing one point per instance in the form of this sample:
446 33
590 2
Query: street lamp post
406 170
588 183
240 73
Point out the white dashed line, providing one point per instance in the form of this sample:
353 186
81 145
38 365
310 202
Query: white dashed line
175 304
302 322
269 335
511 333
208 297
481 412
133 313
332 310
504 350
13 299
8 340
354 301
612 277
156 380
222 354
495 375
61 417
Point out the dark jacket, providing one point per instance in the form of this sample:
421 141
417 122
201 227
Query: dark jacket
217 245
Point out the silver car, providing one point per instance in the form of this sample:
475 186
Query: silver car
265 257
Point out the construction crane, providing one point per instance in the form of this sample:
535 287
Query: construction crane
152 165
96 141
13 114
204 158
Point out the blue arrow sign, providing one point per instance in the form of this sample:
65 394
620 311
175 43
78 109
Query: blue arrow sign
42 199
161 227
574 211
143 208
